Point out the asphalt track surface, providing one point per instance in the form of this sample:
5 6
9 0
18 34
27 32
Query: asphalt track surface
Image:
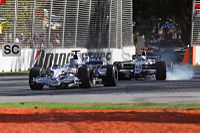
172 91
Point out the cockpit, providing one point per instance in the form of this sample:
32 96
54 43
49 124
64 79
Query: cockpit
74 61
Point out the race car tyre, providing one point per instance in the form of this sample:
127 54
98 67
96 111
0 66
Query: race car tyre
34 73
85 76
160 70
111 77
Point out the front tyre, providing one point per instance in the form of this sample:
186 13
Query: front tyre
35 73
85 76
111 77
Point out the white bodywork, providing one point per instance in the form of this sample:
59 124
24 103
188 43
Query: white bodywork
139 66
67 75
61 75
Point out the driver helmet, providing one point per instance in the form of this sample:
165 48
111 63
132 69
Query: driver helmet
74 62
75 57
143 54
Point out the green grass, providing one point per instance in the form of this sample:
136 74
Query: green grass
41 105
14 73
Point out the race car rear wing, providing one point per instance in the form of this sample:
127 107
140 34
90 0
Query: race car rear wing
157 57
94 61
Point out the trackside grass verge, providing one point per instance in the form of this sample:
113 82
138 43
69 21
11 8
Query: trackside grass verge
14 73
108 106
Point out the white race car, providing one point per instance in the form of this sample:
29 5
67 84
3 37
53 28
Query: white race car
142 66
82 72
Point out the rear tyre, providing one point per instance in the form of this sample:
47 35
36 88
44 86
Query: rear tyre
85 76
160 70
111 77
35 73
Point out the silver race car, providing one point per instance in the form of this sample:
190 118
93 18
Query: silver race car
142 67
82 72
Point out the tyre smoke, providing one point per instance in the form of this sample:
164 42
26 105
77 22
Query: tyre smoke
180 72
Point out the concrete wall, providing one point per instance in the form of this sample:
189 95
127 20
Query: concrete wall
47 57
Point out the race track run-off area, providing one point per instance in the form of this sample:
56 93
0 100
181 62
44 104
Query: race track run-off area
103 121
172 91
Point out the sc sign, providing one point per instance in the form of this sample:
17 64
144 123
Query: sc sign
11 50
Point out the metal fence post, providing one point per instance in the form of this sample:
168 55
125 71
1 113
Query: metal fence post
117 23
121 45
33 24
50 18
89 16
89 12
132 42
15 20
110 24
77 13
100 24
64 20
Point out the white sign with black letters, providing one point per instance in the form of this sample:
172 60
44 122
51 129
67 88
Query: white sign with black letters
11 50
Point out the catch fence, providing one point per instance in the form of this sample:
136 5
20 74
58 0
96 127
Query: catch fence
68 23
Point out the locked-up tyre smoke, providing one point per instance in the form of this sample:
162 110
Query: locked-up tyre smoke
34 73
111 77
